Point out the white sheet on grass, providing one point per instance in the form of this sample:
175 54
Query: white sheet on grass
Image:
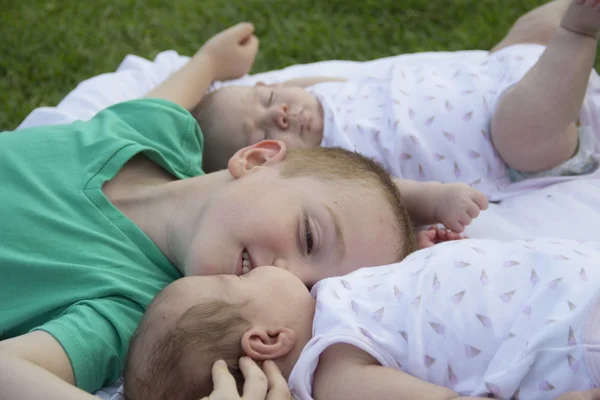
566 210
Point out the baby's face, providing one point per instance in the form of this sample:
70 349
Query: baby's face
245 115
268 291
269 295
269 299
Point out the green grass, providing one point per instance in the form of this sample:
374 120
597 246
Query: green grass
48 46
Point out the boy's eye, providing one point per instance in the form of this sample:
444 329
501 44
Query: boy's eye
309 235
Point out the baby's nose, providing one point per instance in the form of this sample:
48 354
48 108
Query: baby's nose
281 118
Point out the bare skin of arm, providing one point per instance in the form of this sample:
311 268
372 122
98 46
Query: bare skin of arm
35 366
227 55
348 373
188 85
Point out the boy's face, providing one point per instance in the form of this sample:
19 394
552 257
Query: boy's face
311 228
245 115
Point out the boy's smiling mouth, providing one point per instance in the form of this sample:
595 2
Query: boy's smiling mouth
244 263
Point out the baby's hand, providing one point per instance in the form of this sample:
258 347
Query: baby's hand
457 204
232 51
434 235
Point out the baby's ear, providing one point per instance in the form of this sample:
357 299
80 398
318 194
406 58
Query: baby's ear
262 154
262 344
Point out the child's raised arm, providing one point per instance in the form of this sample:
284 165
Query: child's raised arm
227 55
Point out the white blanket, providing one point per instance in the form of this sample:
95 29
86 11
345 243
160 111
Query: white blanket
568 210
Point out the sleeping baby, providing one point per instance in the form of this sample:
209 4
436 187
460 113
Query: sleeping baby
473 318
490 124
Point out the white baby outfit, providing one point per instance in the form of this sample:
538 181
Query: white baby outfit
431 121
514 320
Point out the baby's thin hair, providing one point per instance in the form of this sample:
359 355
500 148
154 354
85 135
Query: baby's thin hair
179 364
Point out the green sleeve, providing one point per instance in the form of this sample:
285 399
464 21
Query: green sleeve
95 335
160 125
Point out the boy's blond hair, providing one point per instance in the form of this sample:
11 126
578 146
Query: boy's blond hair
339 167
178 365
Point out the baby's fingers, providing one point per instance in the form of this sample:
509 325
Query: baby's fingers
242 31
425 239
223 382
454 236
255 381
278 387
250 44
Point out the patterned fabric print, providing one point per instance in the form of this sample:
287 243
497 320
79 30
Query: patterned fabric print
480 317
427 122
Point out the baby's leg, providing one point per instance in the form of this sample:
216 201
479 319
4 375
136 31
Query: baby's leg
534 124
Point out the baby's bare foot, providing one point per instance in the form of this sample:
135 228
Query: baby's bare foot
583 17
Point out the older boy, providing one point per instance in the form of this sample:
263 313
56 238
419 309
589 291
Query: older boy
97 217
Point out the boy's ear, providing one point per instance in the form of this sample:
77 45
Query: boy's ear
263 344
262 154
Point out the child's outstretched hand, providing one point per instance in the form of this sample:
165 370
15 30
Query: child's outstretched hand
457 204
232 51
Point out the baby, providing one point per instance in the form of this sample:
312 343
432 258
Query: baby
470 318
487 124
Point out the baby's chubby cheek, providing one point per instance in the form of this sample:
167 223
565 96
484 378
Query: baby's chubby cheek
196 267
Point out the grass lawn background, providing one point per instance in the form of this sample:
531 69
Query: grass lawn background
48 46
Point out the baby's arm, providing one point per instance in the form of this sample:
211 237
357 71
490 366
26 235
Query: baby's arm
453 204
311 80
346 373
227 55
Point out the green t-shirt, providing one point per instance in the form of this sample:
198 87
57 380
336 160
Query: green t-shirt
71 263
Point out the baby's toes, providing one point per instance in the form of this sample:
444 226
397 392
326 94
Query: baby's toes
473 210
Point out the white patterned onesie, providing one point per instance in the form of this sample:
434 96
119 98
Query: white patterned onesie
431 120
514 319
